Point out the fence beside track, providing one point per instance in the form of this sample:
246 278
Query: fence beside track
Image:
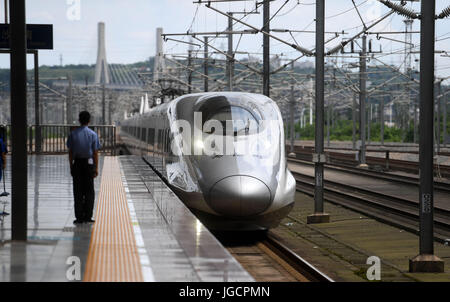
54 137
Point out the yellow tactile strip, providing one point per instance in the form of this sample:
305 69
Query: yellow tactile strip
113 255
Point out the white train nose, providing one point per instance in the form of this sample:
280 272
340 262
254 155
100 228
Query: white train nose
239 196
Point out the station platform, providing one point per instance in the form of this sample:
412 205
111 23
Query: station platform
143 232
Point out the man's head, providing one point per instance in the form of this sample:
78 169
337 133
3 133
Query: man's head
84 117
2 132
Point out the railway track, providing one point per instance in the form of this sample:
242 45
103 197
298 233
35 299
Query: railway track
348 160
396 211
267 259
404 179
295 261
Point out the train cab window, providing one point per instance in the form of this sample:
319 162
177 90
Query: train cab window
243 121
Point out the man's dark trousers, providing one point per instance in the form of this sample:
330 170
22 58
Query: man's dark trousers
83 189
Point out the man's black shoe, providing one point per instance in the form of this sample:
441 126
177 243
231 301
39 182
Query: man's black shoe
76 221
90 221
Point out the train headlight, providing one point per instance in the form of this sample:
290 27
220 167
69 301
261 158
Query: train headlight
199 145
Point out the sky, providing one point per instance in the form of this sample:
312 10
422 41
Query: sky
131 27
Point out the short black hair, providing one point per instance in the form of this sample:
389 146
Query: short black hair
2 132
84 117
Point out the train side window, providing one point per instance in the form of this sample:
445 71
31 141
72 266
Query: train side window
164 141
155 144
151 136
160 140
143 134
168 141
158 145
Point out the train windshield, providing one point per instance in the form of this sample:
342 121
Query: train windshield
235 120
239 125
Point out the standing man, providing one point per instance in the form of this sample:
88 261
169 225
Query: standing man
3 151
83 147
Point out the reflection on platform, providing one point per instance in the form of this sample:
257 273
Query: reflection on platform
172 244
52 237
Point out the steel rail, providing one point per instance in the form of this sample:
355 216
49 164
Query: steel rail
294 260
403 179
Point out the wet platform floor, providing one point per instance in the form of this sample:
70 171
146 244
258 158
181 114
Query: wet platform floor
172 244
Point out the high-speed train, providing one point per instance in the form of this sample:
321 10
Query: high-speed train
222 153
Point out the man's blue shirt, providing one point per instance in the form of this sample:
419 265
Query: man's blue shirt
2 150
83 142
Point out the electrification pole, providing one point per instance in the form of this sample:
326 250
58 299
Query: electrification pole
328 122
369 121
230 57
266 48
292 107
438 118
362 101
415 121
445 121
189 71
426 261
206 55
382 121
319 157
354 122
19 168
330 109
37 120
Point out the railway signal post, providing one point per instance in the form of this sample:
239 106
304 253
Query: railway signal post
319 156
